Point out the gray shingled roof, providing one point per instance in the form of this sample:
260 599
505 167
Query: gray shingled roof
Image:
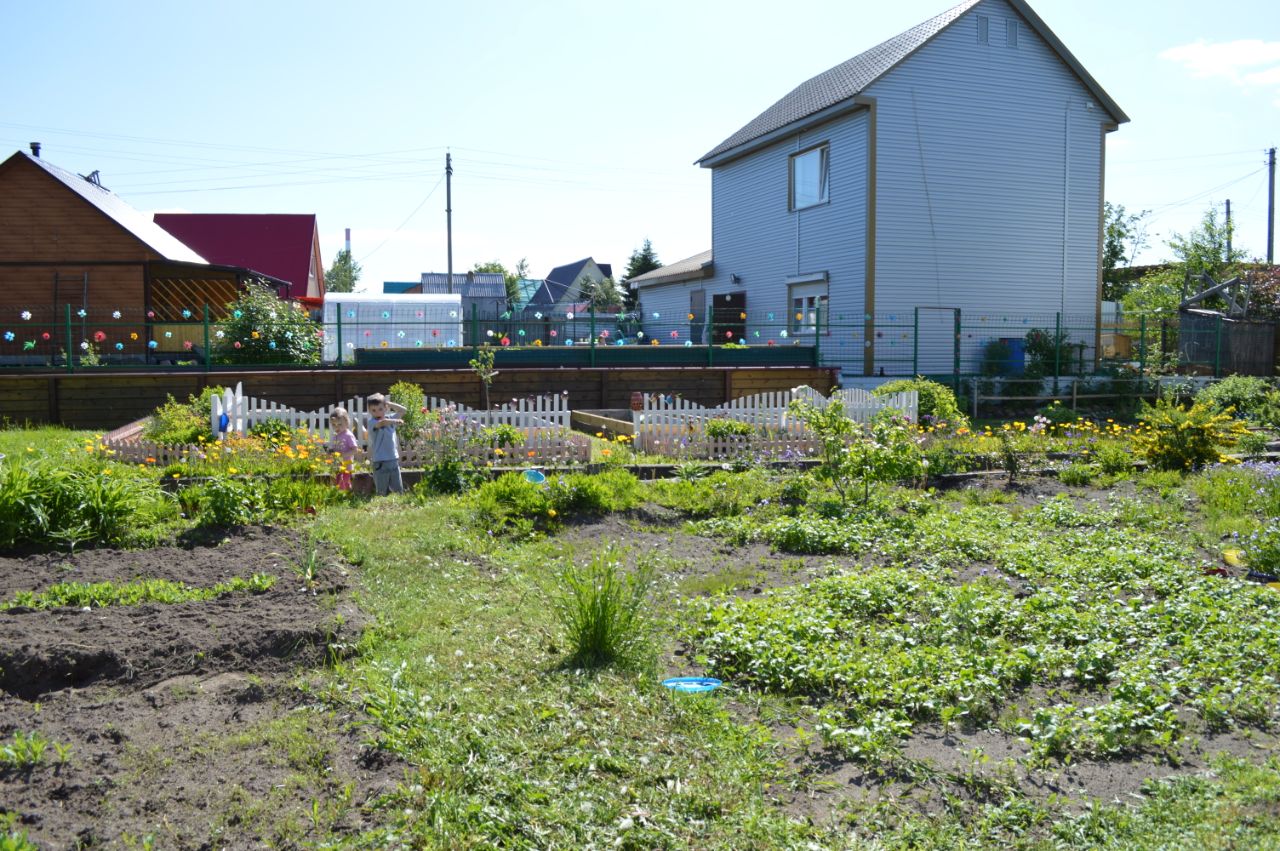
841 82
135 222
682 270
851 78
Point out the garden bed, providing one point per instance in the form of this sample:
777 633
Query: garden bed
181 720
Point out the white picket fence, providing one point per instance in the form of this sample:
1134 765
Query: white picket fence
664 422
540 448
533 415
528 415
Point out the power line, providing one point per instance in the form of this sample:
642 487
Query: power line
405 222
1189 199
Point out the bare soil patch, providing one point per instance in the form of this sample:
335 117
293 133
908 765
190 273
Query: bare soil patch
185 722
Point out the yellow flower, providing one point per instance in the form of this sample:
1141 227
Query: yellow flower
551 512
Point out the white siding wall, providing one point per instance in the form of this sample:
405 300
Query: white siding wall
978 145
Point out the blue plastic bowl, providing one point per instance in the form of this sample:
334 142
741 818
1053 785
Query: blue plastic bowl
690 685
536 477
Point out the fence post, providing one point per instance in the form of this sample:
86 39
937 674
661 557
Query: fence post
338 332
817 335
711 334
1217 348
206 337
1057 350
955 352
915 343
70 349
593 334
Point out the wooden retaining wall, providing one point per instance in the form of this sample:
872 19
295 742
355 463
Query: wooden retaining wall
108 399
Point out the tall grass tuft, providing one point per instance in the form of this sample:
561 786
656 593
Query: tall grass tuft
605 610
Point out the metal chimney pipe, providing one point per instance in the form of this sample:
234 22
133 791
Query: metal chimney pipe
35 150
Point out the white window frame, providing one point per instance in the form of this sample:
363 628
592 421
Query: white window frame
823 154
806 296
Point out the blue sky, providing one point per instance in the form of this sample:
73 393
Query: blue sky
573 125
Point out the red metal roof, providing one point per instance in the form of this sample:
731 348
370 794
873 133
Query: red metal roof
283 246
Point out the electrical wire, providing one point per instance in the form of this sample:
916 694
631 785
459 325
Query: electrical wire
405 222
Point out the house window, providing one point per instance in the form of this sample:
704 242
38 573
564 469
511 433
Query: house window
984 25
809 177
808 307
1011 33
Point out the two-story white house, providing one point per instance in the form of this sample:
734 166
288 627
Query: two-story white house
955 167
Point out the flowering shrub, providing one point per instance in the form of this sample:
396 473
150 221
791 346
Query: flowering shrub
264 329
1174 438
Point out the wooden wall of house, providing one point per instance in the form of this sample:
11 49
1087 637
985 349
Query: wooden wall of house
42 220
107 400
109 288
46 229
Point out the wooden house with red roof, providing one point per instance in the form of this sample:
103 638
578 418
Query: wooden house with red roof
286 247
79 266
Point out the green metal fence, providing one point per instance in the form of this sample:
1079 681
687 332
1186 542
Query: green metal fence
944 343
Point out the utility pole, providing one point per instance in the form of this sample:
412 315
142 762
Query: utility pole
1271 206
448 210
1228 230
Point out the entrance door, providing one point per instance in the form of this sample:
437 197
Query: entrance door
728 312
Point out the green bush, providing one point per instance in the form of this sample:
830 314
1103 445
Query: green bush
175 424
856 455
937 403
448 476
229 501
260 328
721 429
1058 414
1077 475
1047 350
501 436
1247 397
584 494
1253 443
1174 438
178 424
43 504
275 431
415 402
1113 459
510 504
603 609
722 494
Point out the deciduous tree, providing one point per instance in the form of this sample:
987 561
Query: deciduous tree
343 275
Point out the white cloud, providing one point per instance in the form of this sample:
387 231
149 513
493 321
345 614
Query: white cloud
1249 63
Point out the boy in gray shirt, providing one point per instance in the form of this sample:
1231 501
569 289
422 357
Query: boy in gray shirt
384 443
